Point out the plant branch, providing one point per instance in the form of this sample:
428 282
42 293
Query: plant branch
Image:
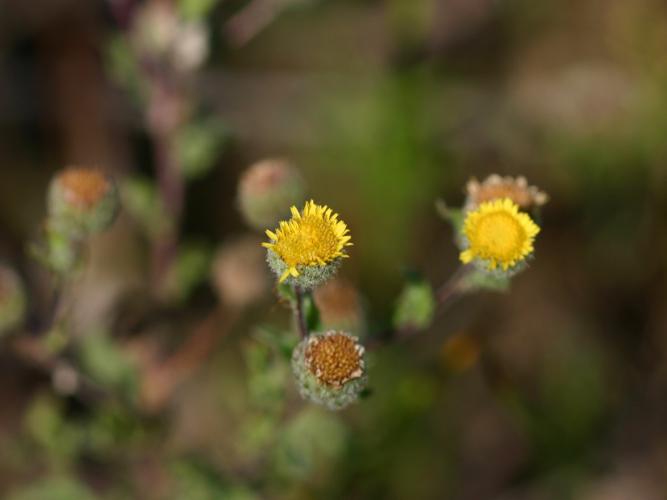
159 381
445 295
451 289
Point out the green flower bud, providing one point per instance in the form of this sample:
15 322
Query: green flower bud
330 369
12 300
82 201
267 190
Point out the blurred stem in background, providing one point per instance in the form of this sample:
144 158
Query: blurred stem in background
171 186
156 57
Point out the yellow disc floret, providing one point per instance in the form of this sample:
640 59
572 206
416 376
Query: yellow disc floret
312 237
498 234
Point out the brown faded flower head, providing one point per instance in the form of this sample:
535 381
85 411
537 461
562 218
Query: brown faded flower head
334 358
496 187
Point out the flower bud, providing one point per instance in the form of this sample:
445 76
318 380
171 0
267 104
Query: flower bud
339 305
330 369
161 34
239 274
82 201
266 191
154 29
12 300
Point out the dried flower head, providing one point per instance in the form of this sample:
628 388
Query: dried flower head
307 249
496 187
334 358
12 300
497 234
330 368
266 189
82 201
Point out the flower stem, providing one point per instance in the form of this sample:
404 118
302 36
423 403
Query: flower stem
451 289
299 316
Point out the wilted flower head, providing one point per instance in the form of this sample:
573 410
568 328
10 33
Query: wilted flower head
307 249
498 235
12 300
239 272
330 368
496 187
82 201
266 189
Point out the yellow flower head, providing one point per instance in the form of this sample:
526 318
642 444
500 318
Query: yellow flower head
313 237
498 234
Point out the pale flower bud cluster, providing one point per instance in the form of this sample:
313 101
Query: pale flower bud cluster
160 34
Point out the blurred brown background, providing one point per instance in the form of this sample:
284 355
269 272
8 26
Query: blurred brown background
555 390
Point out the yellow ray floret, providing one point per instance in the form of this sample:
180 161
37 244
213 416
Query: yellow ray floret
312 237
499 234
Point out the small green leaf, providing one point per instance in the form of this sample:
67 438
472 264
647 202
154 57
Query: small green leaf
311 313
195 10
190 269
123 66
286 292
141 201
452 215
106 363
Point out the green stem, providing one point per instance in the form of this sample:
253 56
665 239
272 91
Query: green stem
299 316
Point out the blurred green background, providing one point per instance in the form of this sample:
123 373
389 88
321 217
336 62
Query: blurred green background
555 390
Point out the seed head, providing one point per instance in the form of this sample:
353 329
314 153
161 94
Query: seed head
330 368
